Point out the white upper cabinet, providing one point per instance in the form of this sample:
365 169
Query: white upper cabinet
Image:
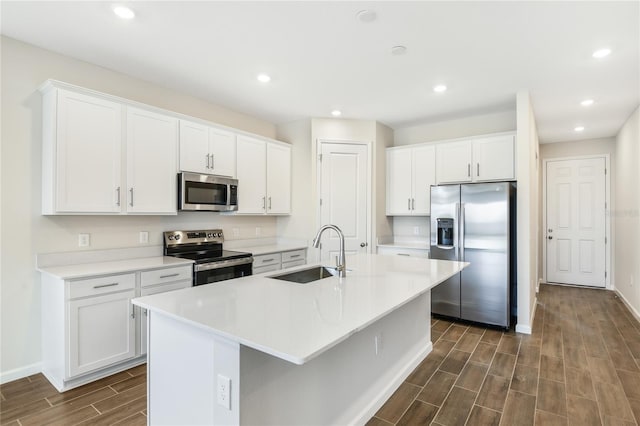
264 176
205 149
82 140
410 174
152 146
486 158
494 158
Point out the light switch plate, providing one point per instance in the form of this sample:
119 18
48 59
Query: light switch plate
84 240
144 237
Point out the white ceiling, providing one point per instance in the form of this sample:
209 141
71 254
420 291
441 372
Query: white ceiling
321 57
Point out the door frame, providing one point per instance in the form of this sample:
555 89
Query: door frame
369 193
607 213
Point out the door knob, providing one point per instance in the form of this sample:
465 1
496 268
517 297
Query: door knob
550 237
363 244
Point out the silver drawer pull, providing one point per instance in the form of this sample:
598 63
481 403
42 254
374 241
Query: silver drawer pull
169 276
403 254
268 260
105 285
294 255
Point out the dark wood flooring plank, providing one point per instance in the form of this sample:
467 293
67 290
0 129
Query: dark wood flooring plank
423 372
552 397
484 416
529 355
65 409
582 412
455 361
59 398
491 336
138 419
398 403
502 365
75 417
525 379
136 371
454 333
20 411
493 392
129 383
635 408
456 407
552 368
441 326
630 383
419 413
468 342
613 401
579 383
437 388
519 409
575 357
602 370
122 398
376 421
472 376
509 344
483 353
120 413
548 419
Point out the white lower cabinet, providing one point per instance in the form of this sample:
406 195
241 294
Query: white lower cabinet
101 331
90 328
403 251
279 260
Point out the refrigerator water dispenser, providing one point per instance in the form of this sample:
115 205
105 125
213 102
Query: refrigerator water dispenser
445 232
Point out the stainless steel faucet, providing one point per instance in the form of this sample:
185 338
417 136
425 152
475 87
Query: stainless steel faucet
341 262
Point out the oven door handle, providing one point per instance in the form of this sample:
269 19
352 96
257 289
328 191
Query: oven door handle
223 264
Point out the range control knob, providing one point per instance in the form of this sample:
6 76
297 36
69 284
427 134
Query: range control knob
170 237
177 237
219 234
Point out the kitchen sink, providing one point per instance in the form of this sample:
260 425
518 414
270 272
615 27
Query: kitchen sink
308 275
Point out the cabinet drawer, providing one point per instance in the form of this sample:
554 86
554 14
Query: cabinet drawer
165 287
289 256
266 259
159 276
102 285
267 268
293 263
397 251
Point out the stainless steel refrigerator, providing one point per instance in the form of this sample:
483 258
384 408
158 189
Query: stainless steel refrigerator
475 223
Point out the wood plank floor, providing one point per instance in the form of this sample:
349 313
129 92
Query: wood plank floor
581 366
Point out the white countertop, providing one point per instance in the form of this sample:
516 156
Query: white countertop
68 272
270 248
297 322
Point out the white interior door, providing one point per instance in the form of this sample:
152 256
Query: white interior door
344 183
575 234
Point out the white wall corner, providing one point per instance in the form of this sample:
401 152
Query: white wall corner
633 310
527 328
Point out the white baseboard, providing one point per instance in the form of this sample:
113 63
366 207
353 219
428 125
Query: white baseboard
19 373
526 328
634 312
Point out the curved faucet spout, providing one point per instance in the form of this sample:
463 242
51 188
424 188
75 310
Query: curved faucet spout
342 265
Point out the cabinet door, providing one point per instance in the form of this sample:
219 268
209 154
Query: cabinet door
278 179
494 158
101 332
151 162
399 178
143 312
194 147
222 151
252 171
454 162
424 175
87 157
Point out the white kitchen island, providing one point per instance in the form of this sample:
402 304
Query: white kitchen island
258 350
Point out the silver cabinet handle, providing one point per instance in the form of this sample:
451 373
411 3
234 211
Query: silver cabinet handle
294 255
269 203
413 204
105 285
478 169
264 203
268 260
213 164
207 161
145 313
469 169
408 203
133 311
131 192
403 254
118 196
169 276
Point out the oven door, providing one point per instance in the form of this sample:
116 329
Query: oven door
223 270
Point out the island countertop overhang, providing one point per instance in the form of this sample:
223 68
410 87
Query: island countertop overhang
297 322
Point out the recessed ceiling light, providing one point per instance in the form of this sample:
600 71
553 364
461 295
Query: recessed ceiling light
124 12
264 78
440 88
601 53
398 50
336 113
587 102
579 128
366 16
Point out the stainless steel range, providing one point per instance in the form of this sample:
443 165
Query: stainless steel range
212 263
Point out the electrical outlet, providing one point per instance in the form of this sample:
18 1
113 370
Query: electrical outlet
144 237
84 240
258 231
235 232
416 230
224 391
378 343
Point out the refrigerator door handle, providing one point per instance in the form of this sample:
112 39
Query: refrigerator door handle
445 247
461 234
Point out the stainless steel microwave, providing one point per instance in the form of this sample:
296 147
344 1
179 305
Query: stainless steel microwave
207 193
